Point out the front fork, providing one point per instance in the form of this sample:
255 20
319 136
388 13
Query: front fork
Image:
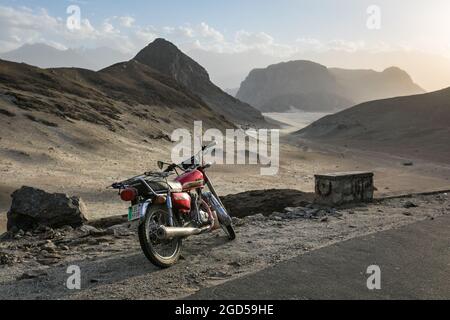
213 191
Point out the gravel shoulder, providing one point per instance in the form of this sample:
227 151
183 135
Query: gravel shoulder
113 267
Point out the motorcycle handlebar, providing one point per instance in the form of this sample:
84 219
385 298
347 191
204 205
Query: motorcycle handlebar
191 162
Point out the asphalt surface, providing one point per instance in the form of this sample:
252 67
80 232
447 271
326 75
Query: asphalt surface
414 261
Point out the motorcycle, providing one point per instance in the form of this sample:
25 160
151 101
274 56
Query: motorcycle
170 210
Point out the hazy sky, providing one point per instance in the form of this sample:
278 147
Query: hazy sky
419 24
276 28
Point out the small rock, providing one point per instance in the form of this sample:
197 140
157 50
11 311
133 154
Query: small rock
320 213
7 259
352 226
6 235
88 229
49 246
408 214
236 264
48 261
409 204
92 242
120 230
408 163
324 219
237 221
311 212
218 274
256 217
51 255
67 229
32 275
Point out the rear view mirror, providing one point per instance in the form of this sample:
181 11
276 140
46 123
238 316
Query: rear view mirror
160 165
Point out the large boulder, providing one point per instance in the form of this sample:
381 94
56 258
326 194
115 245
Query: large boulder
32 207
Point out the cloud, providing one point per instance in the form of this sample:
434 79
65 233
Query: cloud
20 25
207 32
126 21
253 39
23 25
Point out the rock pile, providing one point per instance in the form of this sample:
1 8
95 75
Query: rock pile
309 212
48 247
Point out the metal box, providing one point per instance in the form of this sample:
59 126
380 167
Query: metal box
344 187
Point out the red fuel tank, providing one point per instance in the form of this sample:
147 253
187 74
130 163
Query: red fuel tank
191 180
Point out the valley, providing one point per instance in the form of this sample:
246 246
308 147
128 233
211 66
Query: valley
77 131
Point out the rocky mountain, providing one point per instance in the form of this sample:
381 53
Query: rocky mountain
308 86
367 85
412 125
130 99
45 56
166 58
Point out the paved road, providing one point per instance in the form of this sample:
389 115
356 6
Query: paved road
414 262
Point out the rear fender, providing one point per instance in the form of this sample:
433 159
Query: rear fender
144 206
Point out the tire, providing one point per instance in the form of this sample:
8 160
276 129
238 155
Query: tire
148 242
229 230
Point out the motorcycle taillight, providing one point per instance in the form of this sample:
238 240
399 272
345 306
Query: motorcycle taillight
128 194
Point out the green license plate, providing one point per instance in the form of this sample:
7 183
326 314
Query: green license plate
134 212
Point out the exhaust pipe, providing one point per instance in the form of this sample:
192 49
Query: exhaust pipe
166 233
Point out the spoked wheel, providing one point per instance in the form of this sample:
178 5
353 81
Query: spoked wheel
162 253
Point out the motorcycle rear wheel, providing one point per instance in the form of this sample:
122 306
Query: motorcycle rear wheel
151 245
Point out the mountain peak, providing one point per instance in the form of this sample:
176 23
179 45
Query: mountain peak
160 44
165 57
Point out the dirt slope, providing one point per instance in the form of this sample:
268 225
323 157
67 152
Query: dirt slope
414 125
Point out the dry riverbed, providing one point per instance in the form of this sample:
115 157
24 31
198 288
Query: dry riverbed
34 265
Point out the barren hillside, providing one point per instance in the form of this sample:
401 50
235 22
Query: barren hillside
416 125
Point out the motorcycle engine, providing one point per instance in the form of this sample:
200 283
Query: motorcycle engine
203 217
198 216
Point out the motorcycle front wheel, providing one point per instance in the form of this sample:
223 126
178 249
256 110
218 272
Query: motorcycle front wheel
162 253
229 230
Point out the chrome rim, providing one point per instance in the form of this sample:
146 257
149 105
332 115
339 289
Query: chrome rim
163 249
